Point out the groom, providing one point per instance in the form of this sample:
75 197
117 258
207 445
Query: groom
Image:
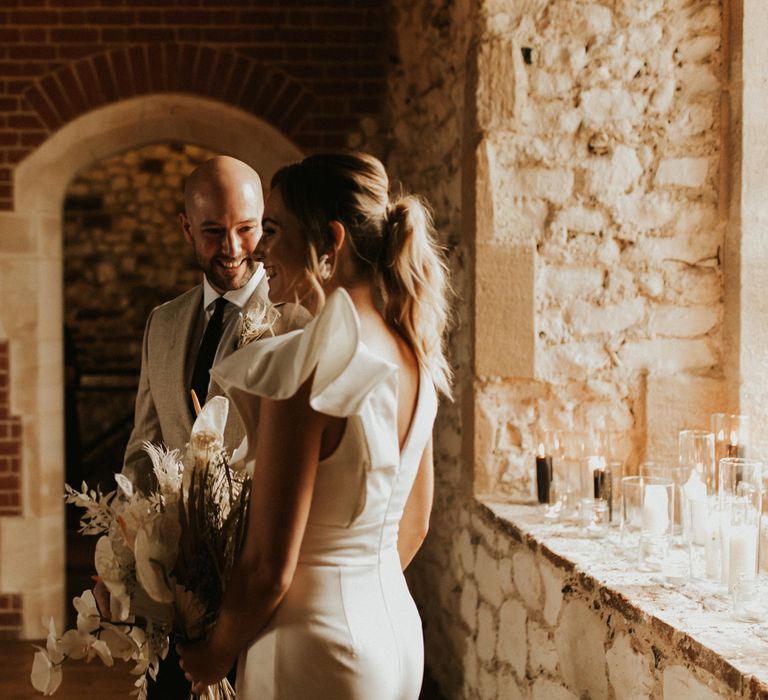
223 204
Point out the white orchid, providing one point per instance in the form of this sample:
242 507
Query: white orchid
88 617
46 676
121 644
113 574
75 644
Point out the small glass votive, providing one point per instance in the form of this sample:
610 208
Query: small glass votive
740 477
631 506
568 468
741 540
748 604
656 520
732 437
554 509
697 454
703 527
594 517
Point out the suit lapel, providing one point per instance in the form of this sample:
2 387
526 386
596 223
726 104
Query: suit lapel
183 351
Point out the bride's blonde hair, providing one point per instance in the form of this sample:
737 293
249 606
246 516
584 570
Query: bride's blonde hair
392 237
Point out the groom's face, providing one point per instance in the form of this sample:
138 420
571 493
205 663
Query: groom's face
223 225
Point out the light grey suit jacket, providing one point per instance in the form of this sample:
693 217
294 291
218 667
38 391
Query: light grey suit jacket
171 339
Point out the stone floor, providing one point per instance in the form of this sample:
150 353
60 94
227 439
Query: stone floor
89 681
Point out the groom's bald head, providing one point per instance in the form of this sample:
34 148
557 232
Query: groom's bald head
223 204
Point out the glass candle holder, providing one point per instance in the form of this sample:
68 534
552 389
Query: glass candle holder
593 517
740 497
743 537
702 529
740 477
748 600
631 507
656 522
568 470
678 475
697 454
732 437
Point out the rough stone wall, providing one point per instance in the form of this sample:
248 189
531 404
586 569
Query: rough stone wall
124 251
604 181
544 630
572 153
427 117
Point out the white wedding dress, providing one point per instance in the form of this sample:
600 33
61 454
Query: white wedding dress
348 627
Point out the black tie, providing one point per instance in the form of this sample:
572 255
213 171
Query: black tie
201 377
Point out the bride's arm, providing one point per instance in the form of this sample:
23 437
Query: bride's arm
415 521
287 452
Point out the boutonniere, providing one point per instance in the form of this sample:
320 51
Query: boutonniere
257 322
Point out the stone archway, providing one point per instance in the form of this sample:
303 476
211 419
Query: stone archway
32 560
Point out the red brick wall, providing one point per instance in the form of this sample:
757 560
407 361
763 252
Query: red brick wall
10 446
312 68
10 616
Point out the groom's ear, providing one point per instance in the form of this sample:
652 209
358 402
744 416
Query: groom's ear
185 227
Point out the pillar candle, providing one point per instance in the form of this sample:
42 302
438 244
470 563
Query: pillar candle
655 509
712 549
543 474
742 558
696 496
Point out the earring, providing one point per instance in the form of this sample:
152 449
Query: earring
324 267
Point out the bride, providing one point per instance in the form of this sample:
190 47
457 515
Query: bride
341 452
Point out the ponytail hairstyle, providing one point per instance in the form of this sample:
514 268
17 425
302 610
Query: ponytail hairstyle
393 240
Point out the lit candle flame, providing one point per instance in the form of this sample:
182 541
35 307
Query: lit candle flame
541 450
720 436
734 437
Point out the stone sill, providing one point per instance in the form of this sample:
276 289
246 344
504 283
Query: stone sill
696 616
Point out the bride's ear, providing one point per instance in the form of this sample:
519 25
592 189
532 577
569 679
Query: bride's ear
338 235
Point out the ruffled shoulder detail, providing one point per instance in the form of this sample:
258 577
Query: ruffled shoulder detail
345 371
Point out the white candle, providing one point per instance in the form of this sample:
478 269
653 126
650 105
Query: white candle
655 509
742 559
696 495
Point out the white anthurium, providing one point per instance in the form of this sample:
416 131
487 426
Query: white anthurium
75 644
46 676
212 418
156 549
98 647
88 618
113 575
120 644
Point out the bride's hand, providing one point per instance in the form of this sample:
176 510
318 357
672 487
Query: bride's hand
201 665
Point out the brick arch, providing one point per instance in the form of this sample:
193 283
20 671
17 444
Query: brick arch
118 74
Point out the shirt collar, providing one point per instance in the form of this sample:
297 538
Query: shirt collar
238 297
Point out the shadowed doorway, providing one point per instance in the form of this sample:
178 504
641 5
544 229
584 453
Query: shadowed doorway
123 254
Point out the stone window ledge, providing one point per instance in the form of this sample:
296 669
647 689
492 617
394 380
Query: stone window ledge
695 617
